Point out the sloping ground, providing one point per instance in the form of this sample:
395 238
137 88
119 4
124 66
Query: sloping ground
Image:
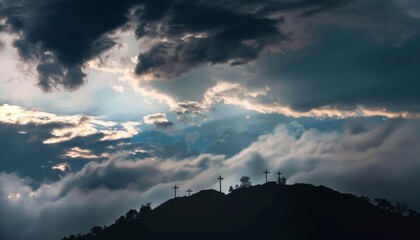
268 211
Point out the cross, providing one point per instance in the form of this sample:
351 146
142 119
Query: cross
266 172
220 183
175 187
279 173
189 192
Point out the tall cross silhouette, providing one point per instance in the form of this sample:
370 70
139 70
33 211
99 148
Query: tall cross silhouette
175 187
220 183
279 173
189 192
266 172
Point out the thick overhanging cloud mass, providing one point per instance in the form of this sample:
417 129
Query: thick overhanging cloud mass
104 105
60 36
306 47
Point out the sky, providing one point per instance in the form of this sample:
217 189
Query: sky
104 106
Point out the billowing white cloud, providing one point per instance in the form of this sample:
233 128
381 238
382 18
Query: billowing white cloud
366 160
54 210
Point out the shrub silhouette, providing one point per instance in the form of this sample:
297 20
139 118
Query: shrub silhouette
365 198
120 220
145 210
131 215
400 209
96 230
384 205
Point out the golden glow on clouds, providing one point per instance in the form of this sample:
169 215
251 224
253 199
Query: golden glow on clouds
232 94
77 152
129 129
70 126
62 167
13 196
236 94
155 118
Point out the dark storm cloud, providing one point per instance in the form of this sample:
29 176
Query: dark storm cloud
60 36
345 68
336 54
199 32
309 7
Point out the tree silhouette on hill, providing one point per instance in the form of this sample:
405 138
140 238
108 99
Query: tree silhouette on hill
95 230
145 209
280 179
400 209
245 182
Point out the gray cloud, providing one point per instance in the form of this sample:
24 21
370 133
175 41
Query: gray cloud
374 160
198 33
367 53
231 143
120 184
39 215
61 36
190 112
354 70
159 120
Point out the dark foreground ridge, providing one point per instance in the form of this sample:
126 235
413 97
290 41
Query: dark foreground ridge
268 211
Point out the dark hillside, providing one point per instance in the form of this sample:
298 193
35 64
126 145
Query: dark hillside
268 211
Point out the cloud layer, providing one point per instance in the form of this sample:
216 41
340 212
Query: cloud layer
365 159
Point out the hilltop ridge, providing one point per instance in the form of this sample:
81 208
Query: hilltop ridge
268 211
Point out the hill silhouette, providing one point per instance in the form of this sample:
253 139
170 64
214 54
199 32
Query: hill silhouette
269 211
